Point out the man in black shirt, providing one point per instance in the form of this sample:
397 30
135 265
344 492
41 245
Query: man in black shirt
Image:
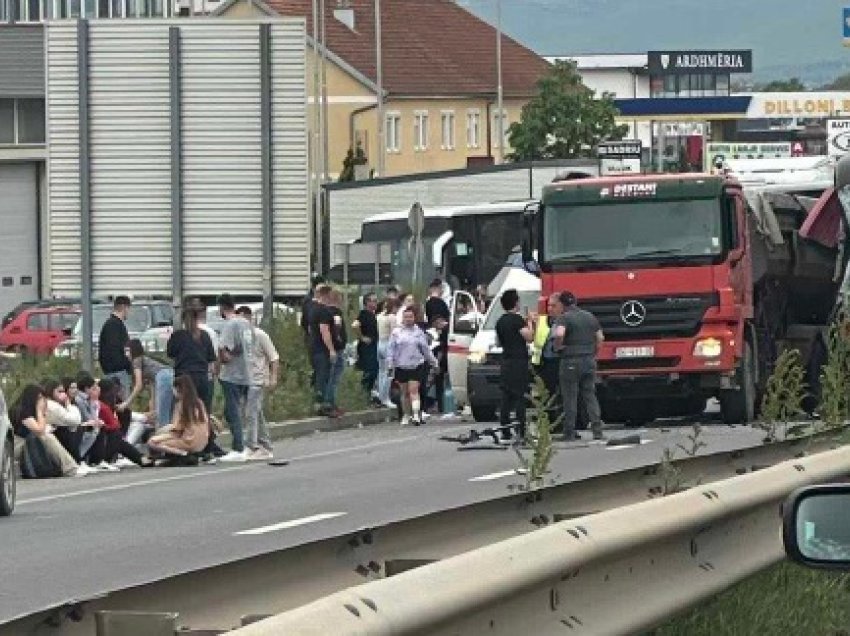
438 315
513 332
112 346
367 344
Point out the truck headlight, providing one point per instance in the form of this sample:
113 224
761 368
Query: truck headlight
477 357
708 348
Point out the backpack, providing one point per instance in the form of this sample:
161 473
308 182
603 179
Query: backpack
36 463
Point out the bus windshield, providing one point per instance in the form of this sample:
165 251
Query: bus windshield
633 230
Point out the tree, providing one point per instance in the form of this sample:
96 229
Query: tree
840 83
564 120
354 157
793 85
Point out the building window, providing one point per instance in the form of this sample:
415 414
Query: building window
447 119
7 121
473 129
420 130
722 85
393 132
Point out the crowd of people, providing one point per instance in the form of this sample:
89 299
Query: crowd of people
401 344
78 426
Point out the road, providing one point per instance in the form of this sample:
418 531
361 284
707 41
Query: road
78 537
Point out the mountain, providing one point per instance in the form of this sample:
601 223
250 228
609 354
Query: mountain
788 37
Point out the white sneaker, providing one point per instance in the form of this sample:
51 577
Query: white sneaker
234 457
83 470
260 455
106 467
123 462
405 420
389 405
424 416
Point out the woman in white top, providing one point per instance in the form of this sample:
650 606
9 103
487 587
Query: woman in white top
387 322
63 418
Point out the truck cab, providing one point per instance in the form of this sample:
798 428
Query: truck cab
694 282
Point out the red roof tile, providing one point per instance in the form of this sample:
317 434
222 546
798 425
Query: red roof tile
430 47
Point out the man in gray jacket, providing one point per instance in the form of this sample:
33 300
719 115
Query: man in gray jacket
577 338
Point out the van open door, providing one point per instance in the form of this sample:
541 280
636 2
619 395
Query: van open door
464 324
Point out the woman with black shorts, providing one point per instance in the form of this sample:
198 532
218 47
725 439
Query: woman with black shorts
408 358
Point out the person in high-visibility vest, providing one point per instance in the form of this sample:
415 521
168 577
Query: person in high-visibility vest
547 361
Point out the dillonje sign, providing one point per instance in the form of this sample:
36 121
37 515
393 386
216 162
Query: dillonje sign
678 62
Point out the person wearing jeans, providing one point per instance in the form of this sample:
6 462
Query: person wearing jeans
325 350
155 375
265 364
386 324
234 353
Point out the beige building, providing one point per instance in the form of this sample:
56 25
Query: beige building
439 81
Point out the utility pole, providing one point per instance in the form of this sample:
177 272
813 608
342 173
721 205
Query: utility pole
316 154
325 151
499 92
379 72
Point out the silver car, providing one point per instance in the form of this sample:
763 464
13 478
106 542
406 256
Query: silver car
7 461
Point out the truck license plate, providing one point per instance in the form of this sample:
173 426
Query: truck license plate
634 352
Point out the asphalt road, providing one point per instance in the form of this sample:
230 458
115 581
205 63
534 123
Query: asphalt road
75 538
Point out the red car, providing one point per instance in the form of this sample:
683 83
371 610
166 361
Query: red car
38 330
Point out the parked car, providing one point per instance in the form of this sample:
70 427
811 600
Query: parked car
144 315
45 303
7 461
39 331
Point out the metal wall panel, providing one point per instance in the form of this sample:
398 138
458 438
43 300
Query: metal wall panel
289 158
130 158
222 202
21 60
63 130
350 206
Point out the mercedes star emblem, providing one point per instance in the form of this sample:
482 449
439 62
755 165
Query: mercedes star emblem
633 313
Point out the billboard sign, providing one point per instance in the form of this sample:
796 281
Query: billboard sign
684 62
837 137
619 157
745 151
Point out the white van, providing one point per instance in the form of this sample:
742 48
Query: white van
475 358
7 461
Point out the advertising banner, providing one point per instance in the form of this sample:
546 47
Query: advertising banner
729 151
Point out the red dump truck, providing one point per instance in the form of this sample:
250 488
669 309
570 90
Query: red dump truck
697 282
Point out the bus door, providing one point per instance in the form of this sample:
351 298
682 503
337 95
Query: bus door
464 324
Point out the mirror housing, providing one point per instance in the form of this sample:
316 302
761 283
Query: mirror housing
842 172
529 216
816 526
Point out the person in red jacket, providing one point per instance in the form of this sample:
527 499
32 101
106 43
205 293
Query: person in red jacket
110 440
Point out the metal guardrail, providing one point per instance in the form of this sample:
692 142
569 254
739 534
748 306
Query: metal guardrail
616 572
277 581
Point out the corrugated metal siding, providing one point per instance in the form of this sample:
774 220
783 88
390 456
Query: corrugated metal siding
222 207
289 159
349 207
130 147
63 130
21 61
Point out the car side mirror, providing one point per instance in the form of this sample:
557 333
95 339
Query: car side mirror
529 216
816 526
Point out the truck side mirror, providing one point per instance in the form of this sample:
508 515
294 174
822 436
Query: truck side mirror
816 526
529 216
842 172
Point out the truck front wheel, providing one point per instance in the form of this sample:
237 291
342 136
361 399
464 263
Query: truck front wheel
738 406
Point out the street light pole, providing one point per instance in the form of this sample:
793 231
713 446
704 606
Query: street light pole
499 92
379 72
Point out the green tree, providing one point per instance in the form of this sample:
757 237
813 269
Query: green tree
354 157
783 86
564 120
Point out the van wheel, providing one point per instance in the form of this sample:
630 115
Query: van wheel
7 480
738 406
482 413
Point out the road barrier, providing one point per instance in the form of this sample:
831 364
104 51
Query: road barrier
617 572
277 581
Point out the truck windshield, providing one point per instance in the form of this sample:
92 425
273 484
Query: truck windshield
633 230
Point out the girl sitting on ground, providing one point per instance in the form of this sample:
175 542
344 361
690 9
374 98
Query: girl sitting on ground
110 440
189 431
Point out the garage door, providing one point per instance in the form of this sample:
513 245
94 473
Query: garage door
19 223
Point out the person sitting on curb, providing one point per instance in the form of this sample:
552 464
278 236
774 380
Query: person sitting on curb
188 434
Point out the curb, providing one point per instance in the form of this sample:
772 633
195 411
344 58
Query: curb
309 426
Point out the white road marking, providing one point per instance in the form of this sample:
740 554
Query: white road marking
624 446
204 473
504 473
294 523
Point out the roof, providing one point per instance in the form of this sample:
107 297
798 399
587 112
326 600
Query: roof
454 210
611 61
429 48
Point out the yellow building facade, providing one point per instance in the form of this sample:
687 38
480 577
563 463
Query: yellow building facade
422 134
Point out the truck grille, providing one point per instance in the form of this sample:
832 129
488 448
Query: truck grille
638 363
650 316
